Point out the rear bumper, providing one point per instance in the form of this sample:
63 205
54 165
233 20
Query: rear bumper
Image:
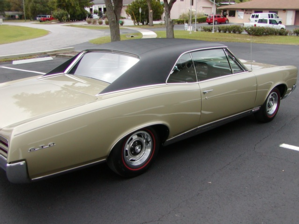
15 172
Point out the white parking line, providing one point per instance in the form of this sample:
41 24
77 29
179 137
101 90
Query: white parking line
24 61
22 70
292 147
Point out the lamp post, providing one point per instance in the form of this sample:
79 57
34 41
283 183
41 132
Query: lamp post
214 10
24 10
190 17
140 14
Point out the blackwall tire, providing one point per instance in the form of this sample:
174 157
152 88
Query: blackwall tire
270 108
134 154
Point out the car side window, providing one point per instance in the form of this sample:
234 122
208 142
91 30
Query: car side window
234 64
210 64
183 71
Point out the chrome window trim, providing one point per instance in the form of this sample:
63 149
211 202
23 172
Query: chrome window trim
224 48
190 51
240 64
78 58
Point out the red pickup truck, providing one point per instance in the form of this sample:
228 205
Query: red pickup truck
217 19
43 18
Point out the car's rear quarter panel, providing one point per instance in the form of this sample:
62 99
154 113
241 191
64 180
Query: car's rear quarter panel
88 133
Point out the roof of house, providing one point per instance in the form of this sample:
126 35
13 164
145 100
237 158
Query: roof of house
265 4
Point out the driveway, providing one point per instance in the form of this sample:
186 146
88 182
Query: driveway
60 36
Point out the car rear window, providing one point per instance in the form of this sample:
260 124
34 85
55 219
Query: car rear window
104 66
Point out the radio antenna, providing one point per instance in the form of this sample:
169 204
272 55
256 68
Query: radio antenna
251 59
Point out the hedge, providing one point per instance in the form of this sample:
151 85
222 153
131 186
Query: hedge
266 31
224 29
182 21
296 32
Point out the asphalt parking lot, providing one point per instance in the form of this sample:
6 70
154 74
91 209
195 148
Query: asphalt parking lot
237 173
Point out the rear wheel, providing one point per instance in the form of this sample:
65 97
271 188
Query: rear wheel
270 108
215 22
134 154
226 21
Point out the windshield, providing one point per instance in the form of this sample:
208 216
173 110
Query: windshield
104 66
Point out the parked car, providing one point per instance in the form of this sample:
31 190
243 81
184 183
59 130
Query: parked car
121 102
254 17
43 18
266 23
217 19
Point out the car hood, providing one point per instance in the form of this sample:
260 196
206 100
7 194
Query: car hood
27 99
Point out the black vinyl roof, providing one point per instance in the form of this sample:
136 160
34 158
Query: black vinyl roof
157 57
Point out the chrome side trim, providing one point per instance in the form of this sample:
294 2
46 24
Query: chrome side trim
17 172
207 127
68 170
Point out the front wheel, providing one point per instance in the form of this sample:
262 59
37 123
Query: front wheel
226 21
134 154
270 108
215 22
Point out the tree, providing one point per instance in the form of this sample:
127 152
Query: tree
114 8
75 8
37 7
4 5
168 21
150 13
15 5
133 11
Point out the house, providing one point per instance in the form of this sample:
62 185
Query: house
287 10
199 6
99 5
178 8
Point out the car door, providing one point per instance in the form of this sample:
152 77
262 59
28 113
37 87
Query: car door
185 96
227 88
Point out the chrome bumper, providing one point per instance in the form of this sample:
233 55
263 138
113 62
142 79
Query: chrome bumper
15 172
293 88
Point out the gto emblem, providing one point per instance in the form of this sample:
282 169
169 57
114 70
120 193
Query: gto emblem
51 144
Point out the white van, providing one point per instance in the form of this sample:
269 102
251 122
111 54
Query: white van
254 17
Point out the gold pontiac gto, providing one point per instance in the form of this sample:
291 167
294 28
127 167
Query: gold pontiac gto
121 102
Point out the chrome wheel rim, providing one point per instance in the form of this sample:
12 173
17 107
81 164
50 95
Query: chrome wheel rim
137 149
272 103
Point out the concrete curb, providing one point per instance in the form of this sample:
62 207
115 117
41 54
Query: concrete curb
55 51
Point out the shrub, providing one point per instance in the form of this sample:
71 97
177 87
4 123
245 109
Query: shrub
106 22
100 22
296 32
266 31
121 22
61 15
207 28
94 21
88 20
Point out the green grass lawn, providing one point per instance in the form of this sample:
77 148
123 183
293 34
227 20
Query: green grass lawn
107 39
229 37
214 37
92 27
9 34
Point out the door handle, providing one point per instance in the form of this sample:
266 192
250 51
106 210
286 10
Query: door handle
207 91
